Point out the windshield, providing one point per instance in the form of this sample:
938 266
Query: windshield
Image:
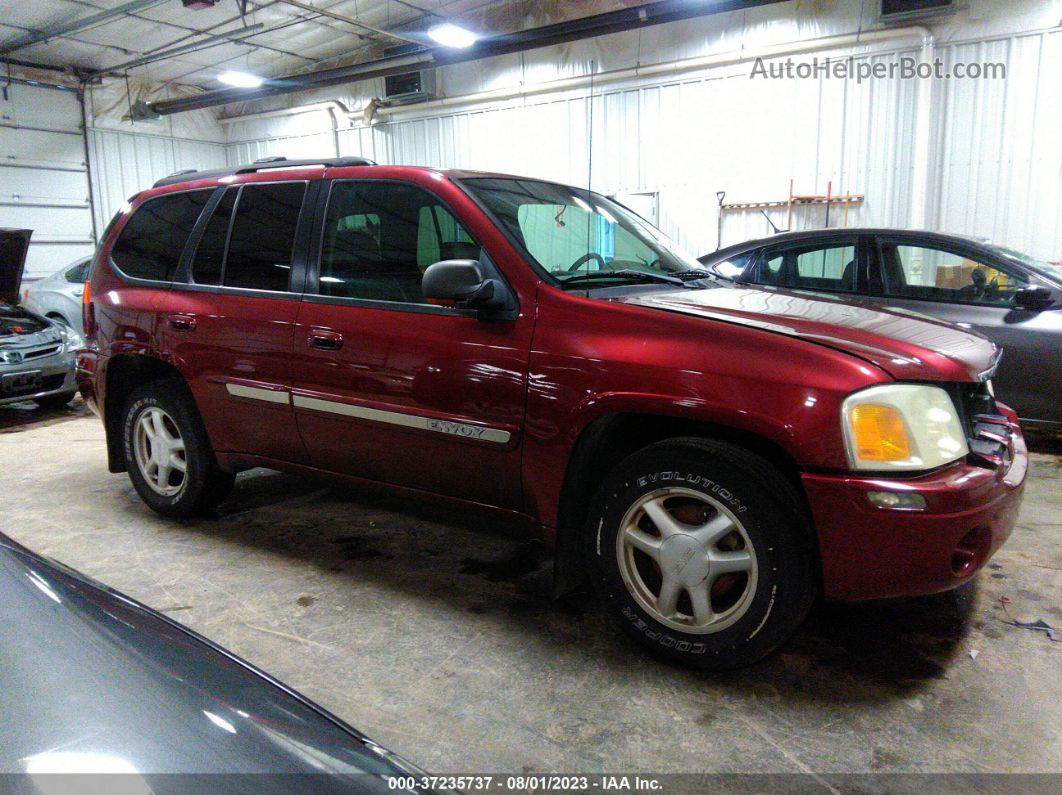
1053 272
573 233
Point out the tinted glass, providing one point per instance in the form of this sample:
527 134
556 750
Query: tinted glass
210 254
381 236
151 243
263 236
934 274
79 273
820 266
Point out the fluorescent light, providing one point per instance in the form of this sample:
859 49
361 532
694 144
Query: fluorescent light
450 35
240 79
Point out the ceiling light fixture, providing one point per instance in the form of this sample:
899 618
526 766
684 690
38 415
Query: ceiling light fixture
451 35
240 79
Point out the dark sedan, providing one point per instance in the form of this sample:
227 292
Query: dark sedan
1013 299
94 682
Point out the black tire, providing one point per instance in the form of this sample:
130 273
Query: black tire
204 484
740 489
52 402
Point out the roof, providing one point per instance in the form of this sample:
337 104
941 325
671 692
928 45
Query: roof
811 234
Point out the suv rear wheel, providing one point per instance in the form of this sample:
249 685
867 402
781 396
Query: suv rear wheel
697 549
167 453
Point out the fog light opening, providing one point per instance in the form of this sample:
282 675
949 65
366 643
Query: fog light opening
970 552
897 500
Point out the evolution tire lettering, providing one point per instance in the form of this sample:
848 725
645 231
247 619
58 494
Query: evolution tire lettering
690 479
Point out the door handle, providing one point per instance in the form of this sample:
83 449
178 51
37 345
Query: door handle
326 340
183 322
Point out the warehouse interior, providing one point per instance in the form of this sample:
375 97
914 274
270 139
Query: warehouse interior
435 632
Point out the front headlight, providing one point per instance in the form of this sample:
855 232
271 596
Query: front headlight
71 339
901 427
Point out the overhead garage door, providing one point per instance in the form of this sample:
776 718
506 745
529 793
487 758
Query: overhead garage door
43 177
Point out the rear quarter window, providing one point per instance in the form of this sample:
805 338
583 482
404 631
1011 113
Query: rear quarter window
151 243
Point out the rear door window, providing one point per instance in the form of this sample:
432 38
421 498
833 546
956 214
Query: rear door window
262 241
151 243
827 266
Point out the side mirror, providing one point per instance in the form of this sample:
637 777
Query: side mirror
1034 298
461 282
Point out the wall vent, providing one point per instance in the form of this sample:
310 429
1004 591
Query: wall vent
908 9
410 86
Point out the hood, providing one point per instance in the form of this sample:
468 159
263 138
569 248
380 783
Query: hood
14 243
906 345
95 680
21 327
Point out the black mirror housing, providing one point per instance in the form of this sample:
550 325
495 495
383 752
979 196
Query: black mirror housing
1034 298
452 279
462 281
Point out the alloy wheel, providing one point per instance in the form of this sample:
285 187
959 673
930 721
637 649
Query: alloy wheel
687 560
159 450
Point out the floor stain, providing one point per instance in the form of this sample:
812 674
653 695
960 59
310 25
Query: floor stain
305 600
524 560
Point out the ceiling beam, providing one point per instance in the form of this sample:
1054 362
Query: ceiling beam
348 20
572 30
66 28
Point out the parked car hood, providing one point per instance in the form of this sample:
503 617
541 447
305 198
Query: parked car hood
14 245
906 345
20 327
93 680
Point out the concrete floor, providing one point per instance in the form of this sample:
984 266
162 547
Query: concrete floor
437 638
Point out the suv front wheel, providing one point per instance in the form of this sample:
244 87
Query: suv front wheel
168 454
697 549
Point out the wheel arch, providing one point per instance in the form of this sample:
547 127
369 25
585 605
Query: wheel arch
126 372
610 438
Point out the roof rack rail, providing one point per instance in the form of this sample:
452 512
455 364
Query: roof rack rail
261 164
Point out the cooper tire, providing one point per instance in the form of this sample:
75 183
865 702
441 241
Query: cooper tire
161 428
697 488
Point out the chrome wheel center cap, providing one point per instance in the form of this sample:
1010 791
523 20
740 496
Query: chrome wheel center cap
684 557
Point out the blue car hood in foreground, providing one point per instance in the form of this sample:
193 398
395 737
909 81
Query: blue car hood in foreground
92 680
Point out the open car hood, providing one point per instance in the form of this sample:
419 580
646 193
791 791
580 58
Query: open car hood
906 345
14 244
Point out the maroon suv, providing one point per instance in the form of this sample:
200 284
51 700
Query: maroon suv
712 458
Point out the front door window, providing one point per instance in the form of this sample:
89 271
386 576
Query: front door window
936 274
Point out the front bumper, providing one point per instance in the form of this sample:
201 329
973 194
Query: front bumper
57 377
874 553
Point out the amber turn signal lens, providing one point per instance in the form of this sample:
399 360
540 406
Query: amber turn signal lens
879 433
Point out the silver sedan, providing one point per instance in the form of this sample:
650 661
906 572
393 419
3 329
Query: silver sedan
58 297
36 358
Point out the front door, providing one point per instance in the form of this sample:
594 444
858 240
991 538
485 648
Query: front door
389 387
963 287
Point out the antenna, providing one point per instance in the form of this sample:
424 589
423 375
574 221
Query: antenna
589 171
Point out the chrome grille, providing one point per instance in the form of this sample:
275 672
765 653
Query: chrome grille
40 353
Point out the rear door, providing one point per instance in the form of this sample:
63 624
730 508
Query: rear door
389 387
963 285
229 322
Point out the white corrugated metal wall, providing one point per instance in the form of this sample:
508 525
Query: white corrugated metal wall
124 163
43 179
994 166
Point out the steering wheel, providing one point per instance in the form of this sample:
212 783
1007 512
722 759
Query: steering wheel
586 258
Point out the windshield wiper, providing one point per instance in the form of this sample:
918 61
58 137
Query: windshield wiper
694 274
628 274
